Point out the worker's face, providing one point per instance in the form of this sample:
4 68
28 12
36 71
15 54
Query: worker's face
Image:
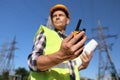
60 20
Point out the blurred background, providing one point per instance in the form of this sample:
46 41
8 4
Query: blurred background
20 19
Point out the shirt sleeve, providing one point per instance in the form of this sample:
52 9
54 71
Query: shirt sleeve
37 50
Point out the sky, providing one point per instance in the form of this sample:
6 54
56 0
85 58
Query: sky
22 18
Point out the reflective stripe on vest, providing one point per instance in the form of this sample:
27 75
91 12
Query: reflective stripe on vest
58 72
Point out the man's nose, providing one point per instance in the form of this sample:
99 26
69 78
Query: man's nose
57 17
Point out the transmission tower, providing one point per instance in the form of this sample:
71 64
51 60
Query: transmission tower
49 23
105 64
9 58
2 55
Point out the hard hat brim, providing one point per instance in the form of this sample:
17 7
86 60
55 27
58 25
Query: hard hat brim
59 7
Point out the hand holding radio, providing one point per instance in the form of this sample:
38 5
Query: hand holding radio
89 47
77 30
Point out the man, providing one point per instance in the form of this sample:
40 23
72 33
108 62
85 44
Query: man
53 55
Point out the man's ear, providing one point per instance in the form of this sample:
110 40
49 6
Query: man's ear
68 20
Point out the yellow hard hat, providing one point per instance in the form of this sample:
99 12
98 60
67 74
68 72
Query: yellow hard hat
59 7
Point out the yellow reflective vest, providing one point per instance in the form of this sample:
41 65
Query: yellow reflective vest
53 42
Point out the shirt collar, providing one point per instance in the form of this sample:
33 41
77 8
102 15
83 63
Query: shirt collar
61 34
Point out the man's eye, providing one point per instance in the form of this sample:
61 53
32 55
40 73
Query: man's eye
61 15
54 15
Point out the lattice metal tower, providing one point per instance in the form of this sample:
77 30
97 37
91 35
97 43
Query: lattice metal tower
49 23
8 58
105 64
2 56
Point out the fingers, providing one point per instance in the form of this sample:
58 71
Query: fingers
70 47
79 51
86 58
80 43
77 37
68 38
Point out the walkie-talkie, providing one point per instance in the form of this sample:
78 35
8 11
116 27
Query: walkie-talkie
77 30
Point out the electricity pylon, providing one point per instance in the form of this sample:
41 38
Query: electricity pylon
7 61
105 64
